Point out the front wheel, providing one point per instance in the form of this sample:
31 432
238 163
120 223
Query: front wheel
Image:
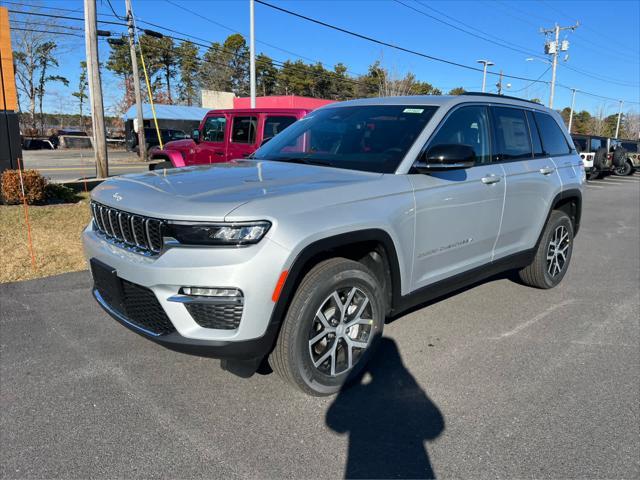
331 328
624 169
553 254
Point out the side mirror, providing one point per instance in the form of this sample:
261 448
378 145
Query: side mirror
195 135
446 157
265 140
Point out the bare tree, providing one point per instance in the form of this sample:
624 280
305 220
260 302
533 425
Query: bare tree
599 121
632 125
35 50
81 93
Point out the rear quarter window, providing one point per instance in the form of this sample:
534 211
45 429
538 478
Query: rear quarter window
553 140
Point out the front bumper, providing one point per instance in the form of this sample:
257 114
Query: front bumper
254 270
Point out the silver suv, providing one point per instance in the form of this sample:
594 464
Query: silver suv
358 211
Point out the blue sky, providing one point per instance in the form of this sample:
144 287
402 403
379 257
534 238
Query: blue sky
604 49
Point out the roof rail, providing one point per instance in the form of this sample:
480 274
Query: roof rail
483 94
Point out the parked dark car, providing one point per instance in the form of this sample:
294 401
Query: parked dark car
151 137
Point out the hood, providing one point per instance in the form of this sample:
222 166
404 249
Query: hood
211 192
179 144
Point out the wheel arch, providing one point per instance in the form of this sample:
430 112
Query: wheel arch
372 247
175 157
570 202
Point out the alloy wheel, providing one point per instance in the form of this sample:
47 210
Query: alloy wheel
341 331
557 251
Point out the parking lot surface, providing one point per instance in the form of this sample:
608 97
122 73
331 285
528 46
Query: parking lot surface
499 380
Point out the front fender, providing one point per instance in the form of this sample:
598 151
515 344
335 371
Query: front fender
173 156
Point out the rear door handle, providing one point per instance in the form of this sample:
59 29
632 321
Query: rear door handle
547 170
489 179
219 153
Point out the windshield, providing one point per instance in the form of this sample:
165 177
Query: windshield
372 138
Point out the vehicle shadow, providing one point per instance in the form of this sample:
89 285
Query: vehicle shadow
388 418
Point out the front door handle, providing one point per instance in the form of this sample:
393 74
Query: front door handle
547 170
489 179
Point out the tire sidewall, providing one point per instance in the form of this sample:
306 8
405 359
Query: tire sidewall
557 219
299 355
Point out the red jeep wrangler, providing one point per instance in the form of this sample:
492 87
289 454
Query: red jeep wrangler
225 135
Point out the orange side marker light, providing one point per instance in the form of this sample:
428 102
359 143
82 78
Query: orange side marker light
278 290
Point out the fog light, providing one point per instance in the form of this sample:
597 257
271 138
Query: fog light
211 292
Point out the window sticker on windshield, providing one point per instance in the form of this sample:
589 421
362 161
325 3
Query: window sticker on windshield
413 110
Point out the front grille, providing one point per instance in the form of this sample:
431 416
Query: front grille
142 234
215 315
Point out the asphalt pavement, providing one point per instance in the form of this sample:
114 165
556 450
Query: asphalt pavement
497 381
72 164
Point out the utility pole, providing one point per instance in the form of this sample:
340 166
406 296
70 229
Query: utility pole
619 115
573 104
142 144
484 72
95 89
252 54
553 48
499 84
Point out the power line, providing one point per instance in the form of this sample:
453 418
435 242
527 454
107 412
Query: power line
199 15
532 83
106 22
43 31
384 43
481 36
504 44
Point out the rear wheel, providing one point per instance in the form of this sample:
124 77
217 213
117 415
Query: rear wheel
594 174
331 328
624 170
553 254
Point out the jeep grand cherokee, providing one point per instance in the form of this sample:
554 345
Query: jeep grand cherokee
360 210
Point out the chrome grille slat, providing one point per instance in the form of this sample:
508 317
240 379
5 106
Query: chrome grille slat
140 234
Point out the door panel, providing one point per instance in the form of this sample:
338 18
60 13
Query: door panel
531 183
212 146
457 221
458 212
243 138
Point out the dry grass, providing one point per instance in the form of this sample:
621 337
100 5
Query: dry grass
55 230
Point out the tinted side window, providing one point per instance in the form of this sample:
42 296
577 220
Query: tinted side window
512 134
553 140
536 143
274 125
244 130
466 126
596 143
580 144
213 130
631 147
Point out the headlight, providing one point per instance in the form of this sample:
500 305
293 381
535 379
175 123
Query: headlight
219 233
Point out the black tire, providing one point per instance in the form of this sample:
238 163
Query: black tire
619 157
624 170
293 356
161 165
541 273
600 159
594 174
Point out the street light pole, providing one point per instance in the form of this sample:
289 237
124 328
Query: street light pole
619 115
486 63
573 104
252 54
